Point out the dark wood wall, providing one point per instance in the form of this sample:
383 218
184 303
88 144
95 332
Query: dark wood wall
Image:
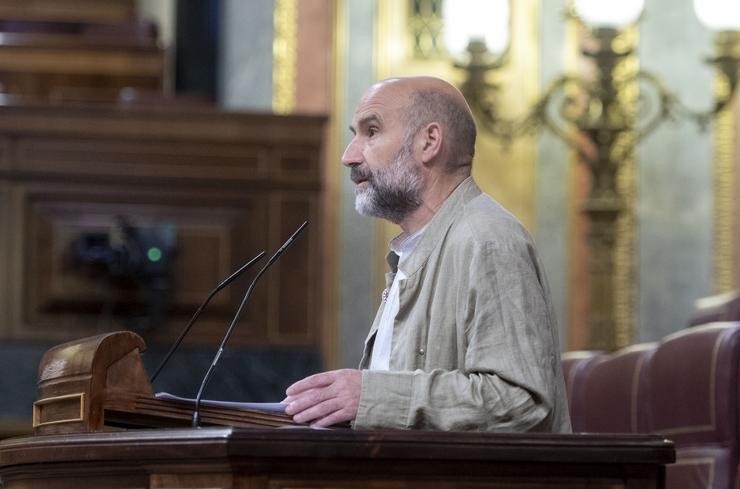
232 185
77 50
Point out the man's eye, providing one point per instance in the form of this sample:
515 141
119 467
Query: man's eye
372 131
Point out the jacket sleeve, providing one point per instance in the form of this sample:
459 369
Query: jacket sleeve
510 352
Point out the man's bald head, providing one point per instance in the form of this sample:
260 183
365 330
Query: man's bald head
429 99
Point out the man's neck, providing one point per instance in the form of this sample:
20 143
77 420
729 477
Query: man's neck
437 190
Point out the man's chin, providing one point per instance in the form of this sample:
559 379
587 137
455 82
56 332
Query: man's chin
363 203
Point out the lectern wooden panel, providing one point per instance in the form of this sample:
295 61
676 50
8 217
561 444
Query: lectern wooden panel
304 458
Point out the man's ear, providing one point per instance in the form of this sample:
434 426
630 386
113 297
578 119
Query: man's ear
430 142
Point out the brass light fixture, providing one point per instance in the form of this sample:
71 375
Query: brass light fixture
592 116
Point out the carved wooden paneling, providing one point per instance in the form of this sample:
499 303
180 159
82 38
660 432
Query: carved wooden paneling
68 10
62 293
208 249
294 165
80 60
77 50
5 156
143 159
61 67
5 255
295 134
231 184
295 268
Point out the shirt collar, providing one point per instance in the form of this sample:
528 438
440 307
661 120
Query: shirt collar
403 244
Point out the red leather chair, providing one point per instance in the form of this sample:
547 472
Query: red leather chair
686 387
693 389
575 364
609 393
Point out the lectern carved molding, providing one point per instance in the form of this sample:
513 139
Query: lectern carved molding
99 384
230 458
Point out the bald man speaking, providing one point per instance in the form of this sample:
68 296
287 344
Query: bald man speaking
465 337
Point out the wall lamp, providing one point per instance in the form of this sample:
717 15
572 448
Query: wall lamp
589 113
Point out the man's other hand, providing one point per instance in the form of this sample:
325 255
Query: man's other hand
325 399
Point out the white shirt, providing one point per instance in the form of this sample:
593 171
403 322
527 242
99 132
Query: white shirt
402 245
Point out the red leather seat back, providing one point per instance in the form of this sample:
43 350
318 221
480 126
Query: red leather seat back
687 387
575 365
611 391
693 383
694 400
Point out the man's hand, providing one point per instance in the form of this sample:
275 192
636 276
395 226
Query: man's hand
325 399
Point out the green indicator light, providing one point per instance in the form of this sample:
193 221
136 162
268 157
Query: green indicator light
154 254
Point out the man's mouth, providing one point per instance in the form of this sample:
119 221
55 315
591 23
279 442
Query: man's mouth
359 176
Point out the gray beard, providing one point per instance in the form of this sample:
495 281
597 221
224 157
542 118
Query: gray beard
391 192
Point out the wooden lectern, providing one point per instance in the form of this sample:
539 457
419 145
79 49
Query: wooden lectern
99 383
91 389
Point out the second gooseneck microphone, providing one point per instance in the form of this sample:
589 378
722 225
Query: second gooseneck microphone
200 309
235 320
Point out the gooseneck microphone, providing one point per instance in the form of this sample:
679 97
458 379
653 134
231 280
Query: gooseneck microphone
200 309
217 357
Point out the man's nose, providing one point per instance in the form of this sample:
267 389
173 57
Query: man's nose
352 154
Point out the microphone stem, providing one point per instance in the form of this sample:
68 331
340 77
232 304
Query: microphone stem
196 413
211 369
185 331
200 309
235 320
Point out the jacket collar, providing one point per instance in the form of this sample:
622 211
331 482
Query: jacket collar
437 227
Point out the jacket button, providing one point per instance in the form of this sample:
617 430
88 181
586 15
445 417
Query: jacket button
422 351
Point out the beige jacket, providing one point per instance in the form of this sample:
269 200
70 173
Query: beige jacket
475 343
